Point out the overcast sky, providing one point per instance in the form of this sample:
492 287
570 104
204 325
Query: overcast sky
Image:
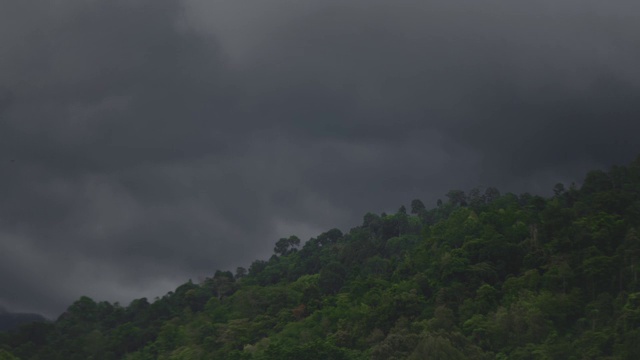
146 142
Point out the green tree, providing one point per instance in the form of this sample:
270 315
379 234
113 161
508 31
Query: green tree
285 246
5 355
457 198
491 194
240 273
434 346
417 207
332 277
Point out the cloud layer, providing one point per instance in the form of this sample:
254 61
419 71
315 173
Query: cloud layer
147 142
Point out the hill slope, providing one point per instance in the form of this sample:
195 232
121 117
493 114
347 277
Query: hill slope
10 321
482 276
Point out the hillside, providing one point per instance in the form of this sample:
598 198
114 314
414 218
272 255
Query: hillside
480 276
10 321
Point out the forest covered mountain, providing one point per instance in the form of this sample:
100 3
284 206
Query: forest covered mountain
10 321
480 276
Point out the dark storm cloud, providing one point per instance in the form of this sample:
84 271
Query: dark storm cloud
526 86
146 142
112 109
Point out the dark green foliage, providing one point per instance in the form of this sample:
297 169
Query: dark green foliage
417 207
482 276
5 355
9 321
332 277
288 245
314 350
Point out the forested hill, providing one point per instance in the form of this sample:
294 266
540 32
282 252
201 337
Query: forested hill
481 276
9 320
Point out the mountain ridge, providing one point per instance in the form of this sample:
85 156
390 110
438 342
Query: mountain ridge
13 320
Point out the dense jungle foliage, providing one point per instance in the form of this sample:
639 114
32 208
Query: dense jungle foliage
481 276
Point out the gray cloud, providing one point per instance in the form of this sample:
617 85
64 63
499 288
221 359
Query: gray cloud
146 142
